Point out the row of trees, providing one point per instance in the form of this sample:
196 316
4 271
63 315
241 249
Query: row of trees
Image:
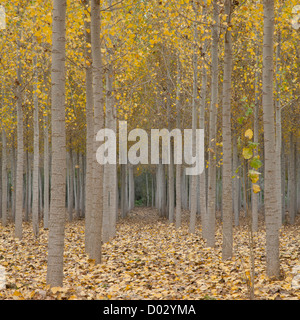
227 67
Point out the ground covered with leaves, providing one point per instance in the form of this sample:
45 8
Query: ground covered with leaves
148 259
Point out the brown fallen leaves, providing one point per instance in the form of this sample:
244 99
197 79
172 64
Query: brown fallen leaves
148 259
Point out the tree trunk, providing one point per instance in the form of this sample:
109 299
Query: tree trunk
4 179
147 190
35 178
283 178
13 181
70 184
278 128
271 203
131 187
211 196
89 130
202 178
194 178
20 151
171 189
255 196
123 190
78 186
235 164
27 186
292 180
58 167
226 134
178 166
46 170
98 99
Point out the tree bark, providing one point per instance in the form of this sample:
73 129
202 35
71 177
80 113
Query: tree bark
98 99
20 151
235 163
292 180
178 166
4 179
58 167
202 178
36 153
194 178
226 134
211 196
46 168
89 130
271 203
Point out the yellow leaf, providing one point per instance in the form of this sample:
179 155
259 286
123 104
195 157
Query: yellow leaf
256 188
249 134
56 289
247 153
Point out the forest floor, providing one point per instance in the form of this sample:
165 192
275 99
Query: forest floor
148 259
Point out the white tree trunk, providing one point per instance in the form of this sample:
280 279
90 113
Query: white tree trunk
36 160
20 151
194 178
292 180
4 179
278 128
226 134
211 195
235 163
58 167
89 131
202 177
271 203
70 179
98 99
46 172
178 166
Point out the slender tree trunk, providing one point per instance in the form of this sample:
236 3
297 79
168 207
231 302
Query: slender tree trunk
35 178
123 190
178 166
152 191
278 127
255 196
13 180
82 184
4 179
211 196
27 186
202 178
271 203
71 184
58 167
110 170
147 190
171 189
283 178
163 192
89 130
292 180
20 151
46 169
194 178
98 99
235 164
131 187
226 130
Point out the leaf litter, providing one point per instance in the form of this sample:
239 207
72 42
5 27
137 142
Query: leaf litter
149 259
